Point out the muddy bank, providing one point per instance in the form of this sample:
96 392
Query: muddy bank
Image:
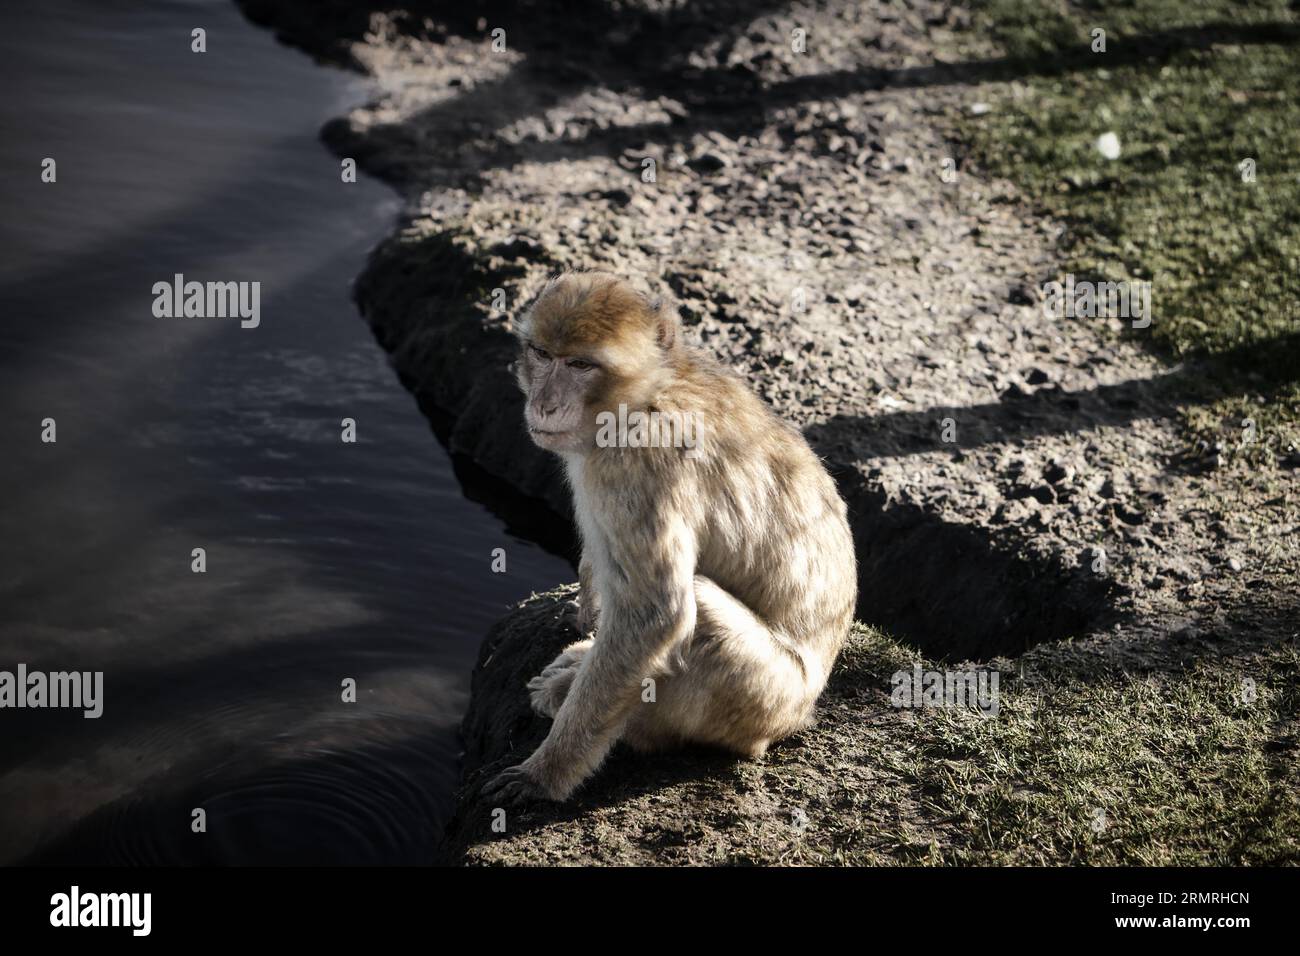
1015 481
869 784
694 806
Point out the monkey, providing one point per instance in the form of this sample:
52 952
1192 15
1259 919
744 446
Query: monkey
721 576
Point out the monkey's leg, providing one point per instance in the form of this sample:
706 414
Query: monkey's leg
549 688
741 687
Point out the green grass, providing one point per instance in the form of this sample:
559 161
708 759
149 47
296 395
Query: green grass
1192 88
1189 768
1176 768
1134 771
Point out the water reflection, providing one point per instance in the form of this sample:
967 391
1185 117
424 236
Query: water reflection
325 560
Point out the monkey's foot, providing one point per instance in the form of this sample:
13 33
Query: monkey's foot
546 692
548 689
514 785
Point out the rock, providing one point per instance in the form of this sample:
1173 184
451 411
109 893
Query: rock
1022 293
619 197
708 163
1128 515
1013 393
1056 473
1108 145
691 805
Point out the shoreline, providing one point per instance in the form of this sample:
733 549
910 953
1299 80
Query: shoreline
775 173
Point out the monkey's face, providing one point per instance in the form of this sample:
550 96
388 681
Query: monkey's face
559 390
588 344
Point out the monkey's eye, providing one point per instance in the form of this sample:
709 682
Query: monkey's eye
578 365
542 354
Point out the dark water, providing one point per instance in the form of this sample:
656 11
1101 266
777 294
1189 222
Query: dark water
325 560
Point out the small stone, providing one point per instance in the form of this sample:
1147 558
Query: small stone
1012 393
708 163
1022 293
1055 473
619 197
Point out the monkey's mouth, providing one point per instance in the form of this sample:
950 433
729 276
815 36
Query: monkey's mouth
550 438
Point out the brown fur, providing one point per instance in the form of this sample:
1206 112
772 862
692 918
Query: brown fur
724 573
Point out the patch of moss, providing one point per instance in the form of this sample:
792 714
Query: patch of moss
1193 89
1195 768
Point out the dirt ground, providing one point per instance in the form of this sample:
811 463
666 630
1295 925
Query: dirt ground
1020 491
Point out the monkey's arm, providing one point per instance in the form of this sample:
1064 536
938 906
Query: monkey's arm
648 606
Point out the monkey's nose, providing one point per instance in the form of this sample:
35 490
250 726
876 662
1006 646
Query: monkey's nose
549 410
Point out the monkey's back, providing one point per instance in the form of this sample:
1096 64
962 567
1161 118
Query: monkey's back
771 526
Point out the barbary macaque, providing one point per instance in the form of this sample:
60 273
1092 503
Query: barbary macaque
716 559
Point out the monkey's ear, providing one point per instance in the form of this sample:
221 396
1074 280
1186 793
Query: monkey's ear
668 325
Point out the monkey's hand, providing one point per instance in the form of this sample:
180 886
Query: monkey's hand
514 785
